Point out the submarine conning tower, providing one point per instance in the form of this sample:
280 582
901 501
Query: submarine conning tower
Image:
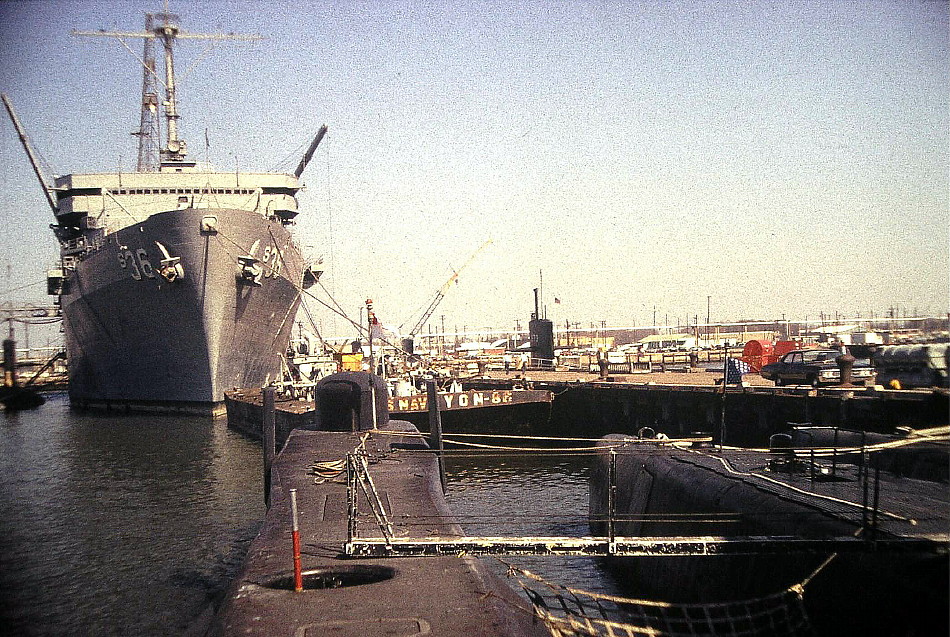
351 401
541 334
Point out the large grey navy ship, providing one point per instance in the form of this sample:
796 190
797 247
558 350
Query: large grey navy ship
175 282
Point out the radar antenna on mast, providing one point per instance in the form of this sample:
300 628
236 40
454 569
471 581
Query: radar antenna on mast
168 31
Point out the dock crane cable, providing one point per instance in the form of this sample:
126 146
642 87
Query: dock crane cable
313 323
306 293
434 303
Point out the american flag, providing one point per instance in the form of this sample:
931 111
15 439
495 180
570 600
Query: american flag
735 369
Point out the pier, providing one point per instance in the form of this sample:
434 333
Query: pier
679 406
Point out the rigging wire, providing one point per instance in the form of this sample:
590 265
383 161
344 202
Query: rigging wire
23 287
288 160
313 323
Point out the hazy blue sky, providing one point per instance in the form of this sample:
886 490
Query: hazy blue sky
786 157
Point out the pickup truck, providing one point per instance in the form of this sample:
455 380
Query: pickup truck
815 367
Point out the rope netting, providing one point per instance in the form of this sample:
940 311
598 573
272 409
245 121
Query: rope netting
569 612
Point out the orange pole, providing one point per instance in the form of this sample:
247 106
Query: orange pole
295 533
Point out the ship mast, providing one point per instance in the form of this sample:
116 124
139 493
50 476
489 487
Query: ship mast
175 147
168 31
148 132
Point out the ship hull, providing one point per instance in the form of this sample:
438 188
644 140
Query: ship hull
136 339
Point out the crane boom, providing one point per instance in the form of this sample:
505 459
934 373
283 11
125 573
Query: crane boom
309 154
30 154
445 288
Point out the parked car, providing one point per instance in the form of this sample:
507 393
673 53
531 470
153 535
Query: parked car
815 367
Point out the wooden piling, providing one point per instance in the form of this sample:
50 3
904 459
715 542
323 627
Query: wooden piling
435 427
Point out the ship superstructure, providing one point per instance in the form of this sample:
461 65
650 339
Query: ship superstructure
175 282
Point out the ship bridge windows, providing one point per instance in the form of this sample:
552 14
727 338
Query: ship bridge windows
77 192
170 191
279 190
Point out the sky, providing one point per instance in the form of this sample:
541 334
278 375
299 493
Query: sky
635 159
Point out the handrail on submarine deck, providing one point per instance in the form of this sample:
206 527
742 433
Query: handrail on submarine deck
866 539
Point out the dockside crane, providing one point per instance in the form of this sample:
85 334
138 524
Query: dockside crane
441 293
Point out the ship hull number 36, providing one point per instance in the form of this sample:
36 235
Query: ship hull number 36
140 267
137 263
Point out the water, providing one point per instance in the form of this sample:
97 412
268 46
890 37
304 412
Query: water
135 524
529 494
120 524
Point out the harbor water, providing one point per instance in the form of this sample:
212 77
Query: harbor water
120 524
529 494
134 524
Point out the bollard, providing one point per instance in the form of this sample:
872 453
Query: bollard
435 427
295 534
845 364
268 435
9 362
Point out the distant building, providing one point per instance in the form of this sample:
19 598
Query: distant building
667 341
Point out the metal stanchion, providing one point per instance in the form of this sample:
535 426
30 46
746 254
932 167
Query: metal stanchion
611 497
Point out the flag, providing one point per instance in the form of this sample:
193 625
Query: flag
735 369
557 300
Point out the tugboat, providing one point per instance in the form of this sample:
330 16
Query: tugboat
175 282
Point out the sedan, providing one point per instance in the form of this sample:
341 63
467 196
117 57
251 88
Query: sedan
815 367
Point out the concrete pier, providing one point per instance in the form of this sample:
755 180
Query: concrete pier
245 411
345 596
590 408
